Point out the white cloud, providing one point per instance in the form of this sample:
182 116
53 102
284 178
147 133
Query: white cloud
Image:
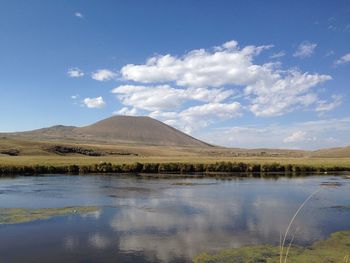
305 49
75 73
197 117
343 60
280 93
218 110
164 97
324 106
200 68
230 44
296 136
270 90
150 98
94 102
78 14
278 54
103 75
126 111
74 97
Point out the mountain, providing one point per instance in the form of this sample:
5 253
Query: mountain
117 129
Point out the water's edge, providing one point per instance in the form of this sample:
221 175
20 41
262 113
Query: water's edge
201 169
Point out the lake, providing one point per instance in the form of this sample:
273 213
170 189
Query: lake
165 220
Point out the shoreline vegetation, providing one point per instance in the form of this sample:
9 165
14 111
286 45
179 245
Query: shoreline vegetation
223 168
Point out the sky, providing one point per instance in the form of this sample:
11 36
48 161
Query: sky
234 73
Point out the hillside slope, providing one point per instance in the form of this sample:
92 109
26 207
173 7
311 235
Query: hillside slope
338 152
116 129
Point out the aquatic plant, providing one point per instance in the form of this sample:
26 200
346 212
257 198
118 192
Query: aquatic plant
23 215
290 224
333 249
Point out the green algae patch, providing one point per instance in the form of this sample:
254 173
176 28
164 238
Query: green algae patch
22 215
334 249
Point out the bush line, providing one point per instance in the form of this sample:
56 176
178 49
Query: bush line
176 168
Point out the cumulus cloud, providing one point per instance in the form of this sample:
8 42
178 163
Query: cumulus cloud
305 49
126 111
165 97
270 90
343 60
75 73
296 136
97 103
103 75
200 68
197 117
219 110
150 98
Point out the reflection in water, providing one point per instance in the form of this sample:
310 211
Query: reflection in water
71 242
165 220
99 241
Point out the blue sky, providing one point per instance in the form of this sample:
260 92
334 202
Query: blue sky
235 73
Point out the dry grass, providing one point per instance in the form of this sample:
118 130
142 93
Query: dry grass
36 153
89 160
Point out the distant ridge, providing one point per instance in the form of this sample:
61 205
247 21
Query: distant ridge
122 129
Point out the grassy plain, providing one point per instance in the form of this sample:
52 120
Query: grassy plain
41 153
90 160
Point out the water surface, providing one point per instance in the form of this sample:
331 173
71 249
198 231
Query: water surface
165 220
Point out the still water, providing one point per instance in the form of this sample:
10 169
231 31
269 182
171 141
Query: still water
165 220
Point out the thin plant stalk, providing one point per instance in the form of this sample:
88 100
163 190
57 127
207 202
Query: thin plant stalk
292 220
289 246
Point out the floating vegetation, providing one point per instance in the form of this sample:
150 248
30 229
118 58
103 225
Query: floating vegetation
331 184
22 215
341 207
334 249
191 184
184 184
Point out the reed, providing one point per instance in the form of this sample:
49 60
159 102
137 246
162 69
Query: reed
223 168
290 224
